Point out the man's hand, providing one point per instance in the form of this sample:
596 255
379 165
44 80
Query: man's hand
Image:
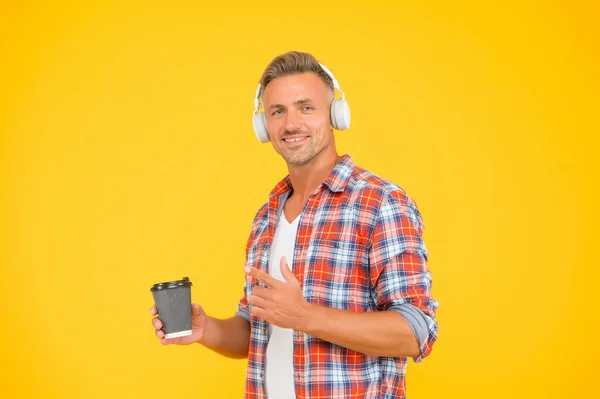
198 323
281 303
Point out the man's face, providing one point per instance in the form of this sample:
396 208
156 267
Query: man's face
298 122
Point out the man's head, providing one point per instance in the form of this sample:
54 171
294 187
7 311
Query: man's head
296 95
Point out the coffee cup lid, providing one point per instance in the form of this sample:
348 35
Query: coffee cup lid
185 282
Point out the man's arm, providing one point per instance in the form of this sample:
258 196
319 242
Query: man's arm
229 337
384 333
400 277
381 333
398 328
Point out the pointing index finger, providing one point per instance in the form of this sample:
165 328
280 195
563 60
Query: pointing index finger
261 276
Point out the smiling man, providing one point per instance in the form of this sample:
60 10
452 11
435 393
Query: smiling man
338 292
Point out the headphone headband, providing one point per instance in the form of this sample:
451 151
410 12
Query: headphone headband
257 99
333 79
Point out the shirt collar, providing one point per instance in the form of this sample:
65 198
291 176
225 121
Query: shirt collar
336 181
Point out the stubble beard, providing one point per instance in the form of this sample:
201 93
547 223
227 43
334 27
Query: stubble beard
299 157
303 156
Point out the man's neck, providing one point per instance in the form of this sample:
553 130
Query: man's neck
305 179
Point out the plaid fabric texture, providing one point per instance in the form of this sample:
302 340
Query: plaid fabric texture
359 248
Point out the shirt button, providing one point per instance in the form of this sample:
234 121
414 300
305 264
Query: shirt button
261 374
264 332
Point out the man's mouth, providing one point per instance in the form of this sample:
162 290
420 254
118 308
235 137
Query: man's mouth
295 139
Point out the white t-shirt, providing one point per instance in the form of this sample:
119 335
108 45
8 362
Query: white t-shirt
280 362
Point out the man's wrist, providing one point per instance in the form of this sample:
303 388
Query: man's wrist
314 319
205 331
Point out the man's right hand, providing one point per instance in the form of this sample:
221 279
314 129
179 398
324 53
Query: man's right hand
198 323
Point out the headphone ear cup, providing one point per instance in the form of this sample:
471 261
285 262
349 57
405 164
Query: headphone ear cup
340 114
260 127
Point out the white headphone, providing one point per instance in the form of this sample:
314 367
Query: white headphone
339 112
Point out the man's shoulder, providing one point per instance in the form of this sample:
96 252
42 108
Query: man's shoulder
261 213
366 183
383 198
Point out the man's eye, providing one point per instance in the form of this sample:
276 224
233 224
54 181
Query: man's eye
308 108
276 112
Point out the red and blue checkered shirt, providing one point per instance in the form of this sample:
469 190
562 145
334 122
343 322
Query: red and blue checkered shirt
358 248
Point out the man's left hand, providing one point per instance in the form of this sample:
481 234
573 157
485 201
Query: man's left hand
281 303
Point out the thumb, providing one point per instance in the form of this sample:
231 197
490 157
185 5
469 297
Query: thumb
196 309
286 272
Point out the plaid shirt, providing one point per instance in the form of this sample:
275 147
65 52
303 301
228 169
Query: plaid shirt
358 248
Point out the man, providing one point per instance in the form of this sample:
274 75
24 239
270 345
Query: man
337 294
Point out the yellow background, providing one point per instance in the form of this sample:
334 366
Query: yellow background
127 157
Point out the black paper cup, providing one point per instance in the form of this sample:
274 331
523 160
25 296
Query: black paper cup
173 302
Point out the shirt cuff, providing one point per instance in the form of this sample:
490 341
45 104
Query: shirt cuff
418 321
244 314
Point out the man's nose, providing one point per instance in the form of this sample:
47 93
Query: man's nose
293 121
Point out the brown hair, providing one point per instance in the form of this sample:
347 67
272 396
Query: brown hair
291 63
